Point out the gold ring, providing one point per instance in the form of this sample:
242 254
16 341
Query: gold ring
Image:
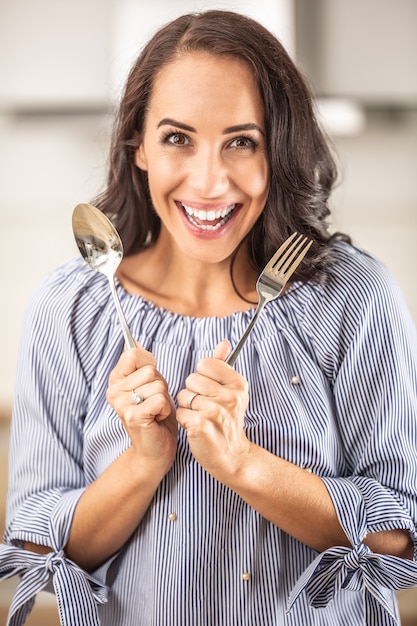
190 400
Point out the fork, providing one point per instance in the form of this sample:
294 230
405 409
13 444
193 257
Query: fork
273 278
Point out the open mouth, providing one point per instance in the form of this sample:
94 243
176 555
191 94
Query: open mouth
208 220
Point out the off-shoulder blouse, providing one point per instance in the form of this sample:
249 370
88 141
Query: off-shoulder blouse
332 374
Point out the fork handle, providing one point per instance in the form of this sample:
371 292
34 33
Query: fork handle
236 350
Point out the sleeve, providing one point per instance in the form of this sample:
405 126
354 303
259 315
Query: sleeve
375 395
46 476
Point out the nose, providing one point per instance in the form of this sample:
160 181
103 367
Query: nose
209 176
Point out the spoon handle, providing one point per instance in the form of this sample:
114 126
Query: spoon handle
129 341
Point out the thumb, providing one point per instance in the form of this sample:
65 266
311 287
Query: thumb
222 350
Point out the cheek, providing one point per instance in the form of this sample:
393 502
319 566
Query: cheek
163 180
256 180
162 176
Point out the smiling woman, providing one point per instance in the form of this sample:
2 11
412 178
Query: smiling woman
159 485
243 74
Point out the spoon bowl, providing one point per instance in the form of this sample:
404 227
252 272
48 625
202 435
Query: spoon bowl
100 246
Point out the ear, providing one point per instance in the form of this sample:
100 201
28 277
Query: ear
140 158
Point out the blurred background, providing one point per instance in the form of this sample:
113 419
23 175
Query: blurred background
62 67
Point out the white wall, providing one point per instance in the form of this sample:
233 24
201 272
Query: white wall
377 199
70 59
130 30
53 53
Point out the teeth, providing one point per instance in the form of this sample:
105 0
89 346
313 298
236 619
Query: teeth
208 226
208 216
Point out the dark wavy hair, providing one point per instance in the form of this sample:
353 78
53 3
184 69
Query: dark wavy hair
302 168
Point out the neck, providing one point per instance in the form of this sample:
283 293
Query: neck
189 287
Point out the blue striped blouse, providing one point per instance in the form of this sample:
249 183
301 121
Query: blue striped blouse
333 388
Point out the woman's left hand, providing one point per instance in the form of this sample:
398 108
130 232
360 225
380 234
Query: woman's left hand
214 423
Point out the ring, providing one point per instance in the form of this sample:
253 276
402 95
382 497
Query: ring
190 400
136 398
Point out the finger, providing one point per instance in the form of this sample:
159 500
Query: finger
203 385
219 371
130 361
155 408
146 375
222 350
187 417
136 381
188 399
122 394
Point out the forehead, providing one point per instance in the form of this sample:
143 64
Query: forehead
198 81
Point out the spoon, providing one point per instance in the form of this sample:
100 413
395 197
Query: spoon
101 247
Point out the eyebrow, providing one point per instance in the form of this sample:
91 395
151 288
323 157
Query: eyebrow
167 121
239 127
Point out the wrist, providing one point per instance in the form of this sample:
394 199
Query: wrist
243 473
147 469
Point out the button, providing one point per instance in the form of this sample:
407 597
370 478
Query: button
295 380
245 576
172 516
309 470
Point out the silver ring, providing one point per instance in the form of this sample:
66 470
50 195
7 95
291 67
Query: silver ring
136 398
190 400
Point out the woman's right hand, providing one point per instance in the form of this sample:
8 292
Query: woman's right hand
151 425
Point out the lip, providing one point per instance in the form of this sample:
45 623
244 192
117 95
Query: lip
193 213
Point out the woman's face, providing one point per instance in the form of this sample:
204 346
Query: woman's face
204 149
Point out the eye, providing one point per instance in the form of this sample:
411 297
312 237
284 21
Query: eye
176 139
243 142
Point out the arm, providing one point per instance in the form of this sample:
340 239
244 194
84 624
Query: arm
65 335
290 497
299 503
46 477
366 520
112 506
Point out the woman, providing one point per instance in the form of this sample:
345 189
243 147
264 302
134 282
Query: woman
159 485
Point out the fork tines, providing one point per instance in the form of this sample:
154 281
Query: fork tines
289 255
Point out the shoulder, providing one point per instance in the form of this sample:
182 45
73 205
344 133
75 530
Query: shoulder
68 325
358 272
360 303
67 284
69 296
358 285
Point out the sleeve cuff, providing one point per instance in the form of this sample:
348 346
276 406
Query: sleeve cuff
78 593
72 586
357 568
